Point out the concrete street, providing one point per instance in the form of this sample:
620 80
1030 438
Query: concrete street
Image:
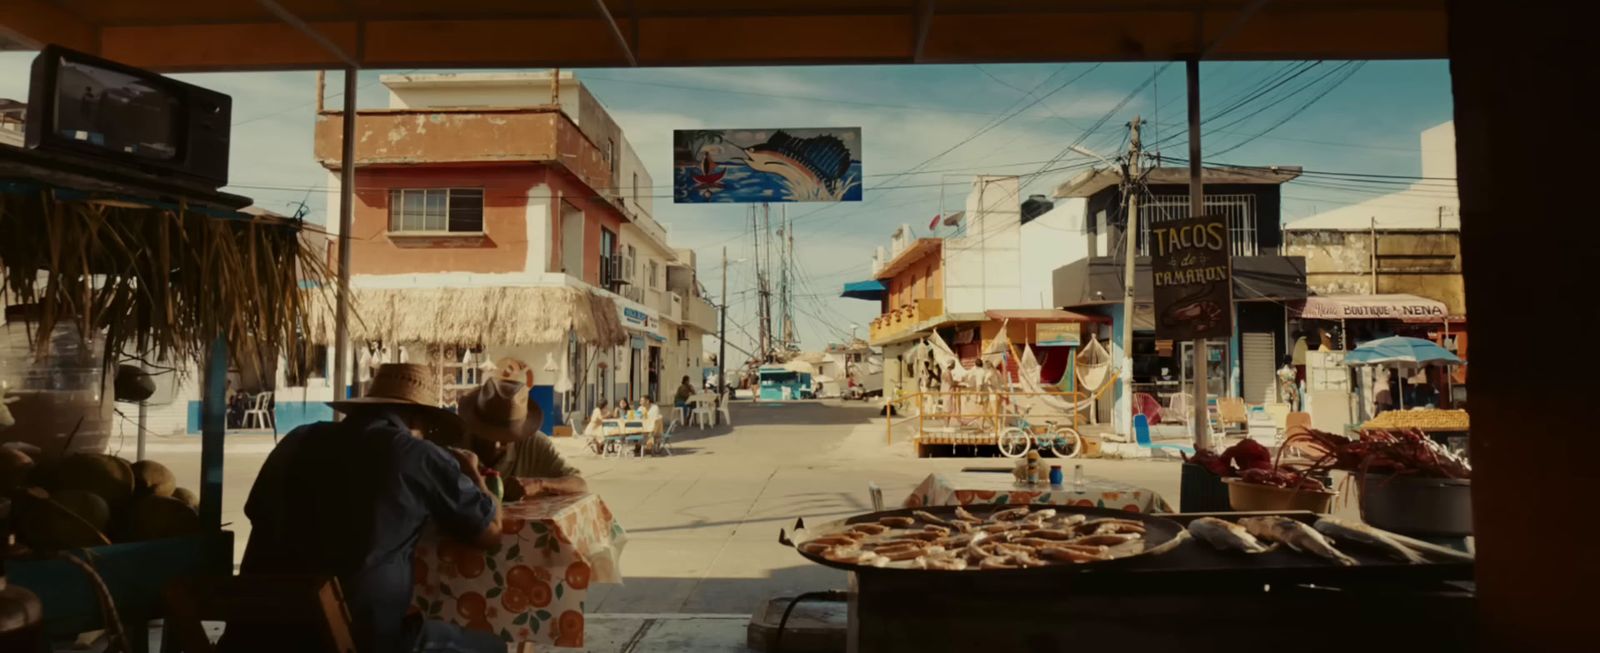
703 524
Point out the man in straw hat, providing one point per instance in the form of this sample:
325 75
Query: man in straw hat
348 499
502 428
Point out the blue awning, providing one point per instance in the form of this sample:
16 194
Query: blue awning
871 289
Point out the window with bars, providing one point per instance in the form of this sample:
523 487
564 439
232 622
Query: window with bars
1240 209
436 210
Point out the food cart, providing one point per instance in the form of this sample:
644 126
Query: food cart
121 265
783 384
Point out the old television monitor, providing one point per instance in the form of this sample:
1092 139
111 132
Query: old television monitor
84 106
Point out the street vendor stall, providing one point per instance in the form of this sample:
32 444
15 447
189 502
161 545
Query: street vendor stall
1054 578
103 265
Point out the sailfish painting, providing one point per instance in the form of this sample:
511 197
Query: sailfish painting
767 165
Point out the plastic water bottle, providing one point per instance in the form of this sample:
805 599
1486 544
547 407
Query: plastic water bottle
1077 478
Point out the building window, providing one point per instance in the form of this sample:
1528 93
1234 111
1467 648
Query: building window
447 210
636 190
611 153
1240 210
653 270
609 267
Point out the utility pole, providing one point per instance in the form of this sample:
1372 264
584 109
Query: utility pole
783 278
766 283
722 331
761 313
1131 189
1197 204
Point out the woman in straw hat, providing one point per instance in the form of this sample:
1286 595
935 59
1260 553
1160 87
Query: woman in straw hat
348 499
502 428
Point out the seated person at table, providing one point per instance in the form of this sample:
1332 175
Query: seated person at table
347 499
624 411
502 428
652 420
680 399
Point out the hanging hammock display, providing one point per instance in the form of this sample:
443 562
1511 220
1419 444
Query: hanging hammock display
1093 365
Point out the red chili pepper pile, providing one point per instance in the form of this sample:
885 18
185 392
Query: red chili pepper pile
1402 452
1242 457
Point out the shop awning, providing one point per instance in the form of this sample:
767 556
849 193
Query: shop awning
871 289
1041 315
1373 307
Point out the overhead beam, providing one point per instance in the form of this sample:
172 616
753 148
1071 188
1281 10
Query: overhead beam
342 54
1233 27
1276 31
616 32
36 24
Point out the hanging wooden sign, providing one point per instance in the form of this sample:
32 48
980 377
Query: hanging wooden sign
1193 278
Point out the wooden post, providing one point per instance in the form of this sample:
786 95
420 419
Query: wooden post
343 371
1197 203
213 425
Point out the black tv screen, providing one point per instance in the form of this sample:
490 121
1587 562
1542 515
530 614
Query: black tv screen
101 112
115 111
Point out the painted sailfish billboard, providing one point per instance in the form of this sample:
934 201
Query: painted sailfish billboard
766 165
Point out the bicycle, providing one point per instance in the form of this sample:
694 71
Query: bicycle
1016 441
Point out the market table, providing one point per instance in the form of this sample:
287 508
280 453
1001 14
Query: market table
1001 488
532 587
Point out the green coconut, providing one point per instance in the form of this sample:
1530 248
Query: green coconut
47 525
187 496
153 517
153 478
108 476
87 505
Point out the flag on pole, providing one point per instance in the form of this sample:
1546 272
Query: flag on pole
934 224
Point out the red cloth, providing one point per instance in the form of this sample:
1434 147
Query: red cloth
1144 404
934 224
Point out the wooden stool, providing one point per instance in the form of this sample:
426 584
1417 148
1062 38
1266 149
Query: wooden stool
306 604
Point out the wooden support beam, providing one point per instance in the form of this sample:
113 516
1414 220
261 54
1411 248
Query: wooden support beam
616 32
36 24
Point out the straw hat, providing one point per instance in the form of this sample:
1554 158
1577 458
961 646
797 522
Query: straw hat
499 410
403 384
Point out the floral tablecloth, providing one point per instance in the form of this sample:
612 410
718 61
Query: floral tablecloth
995 488
532 587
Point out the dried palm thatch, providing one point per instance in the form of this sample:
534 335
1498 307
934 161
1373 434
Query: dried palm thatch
509 316
159 278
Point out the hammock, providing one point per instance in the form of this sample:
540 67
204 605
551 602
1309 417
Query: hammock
1028 378
1093 365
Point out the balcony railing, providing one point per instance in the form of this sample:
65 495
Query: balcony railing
700 313
1240 209
904 318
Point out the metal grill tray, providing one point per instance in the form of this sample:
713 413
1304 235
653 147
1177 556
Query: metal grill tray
1173 560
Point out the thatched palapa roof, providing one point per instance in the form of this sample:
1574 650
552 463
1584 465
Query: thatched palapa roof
506 316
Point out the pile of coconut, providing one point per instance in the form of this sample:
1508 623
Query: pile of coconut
91 499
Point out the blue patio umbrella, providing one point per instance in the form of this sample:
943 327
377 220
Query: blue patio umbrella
1400 351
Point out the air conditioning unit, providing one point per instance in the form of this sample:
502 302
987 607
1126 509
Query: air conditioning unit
612 271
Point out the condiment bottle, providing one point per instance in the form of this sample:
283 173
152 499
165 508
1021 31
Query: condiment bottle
1056 477
497 487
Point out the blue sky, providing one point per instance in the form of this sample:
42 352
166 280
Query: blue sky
1370 123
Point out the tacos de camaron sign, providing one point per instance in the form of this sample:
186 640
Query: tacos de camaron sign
1193 278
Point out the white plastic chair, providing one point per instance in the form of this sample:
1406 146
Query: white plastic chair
723 410
259 416
664 441
704 415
